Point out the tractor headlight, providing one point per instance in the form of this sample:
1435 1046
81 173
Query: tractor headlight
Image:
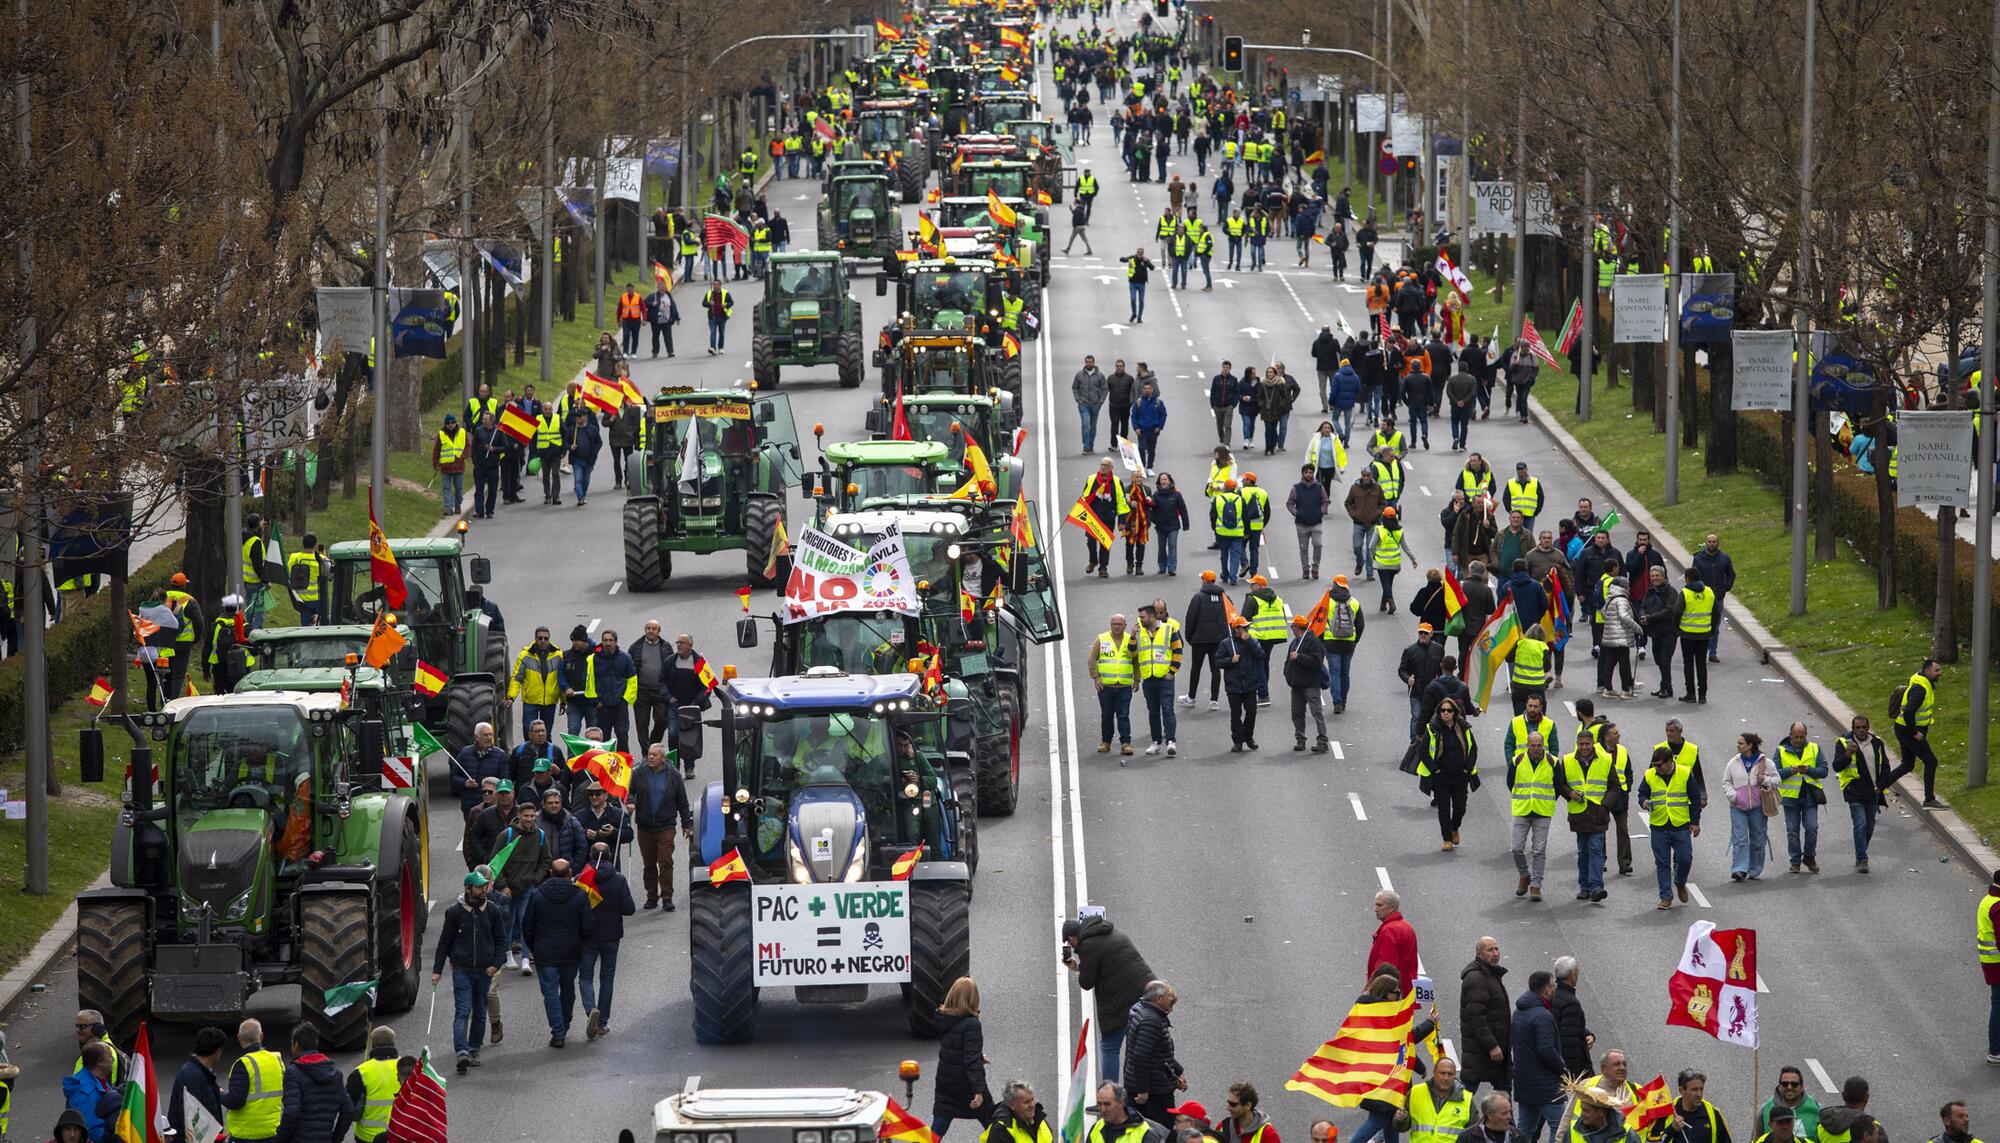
808 1137
720 1137
239 908
801 873
843 1135
857 870
686 1137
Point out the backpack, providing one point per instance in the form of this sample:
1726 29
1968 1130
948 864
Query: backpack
1229 510
1896 702
1340 624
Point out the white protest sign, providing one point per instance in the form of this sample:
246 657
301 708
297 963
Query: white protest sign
621 178
1406 134
829 577
1934 458
1763 369
346 318
1638 308
1371 112
1493 209
854 932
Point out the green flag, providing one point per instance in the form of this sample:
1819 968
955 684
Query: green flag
499 859
426 742
577 747
341 997
1609 522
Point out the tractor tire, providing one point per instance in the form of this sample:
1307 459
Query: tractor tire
1010 376
940 948
646 567
333 950
468 703
853 359
763 362
965 790
722 964
493 655
761 517
1000 766
111 963
912 176
400 913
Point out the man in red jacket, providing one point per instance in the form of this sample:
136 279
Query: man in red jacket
1395 941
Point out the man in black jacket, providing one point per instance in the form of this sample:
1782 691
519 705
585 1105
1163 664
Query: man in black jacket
554 929
317 1109
1106 961
1421 662
387 1070
1152 1072
1305 673
659 802
1485 1019
197 1078
1572 1030
607 928
474 938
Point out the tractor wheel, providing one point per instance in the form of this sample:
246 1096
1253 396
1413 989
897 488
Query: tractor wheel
1010 376
467 704
940 947
763 363
333 950
646 567
761 518
853 359
912 176
111 963
493 655
965 791
1000 766
722 967
400 912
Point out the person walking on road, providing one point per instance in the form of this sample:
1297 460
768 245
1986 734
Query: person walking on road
526 866
598 970
1169 518
1104 495
1270 617
718 305
478 761
960 1088
1802 790
374 1083
659 806
195 1081
555 927
1538 1059
1749 782
1222 397
1531 782
1672 794
1421 662
1090 388
1365 503
1306 503
1660 616
1138 270
1228 518
1394 943
1985 935
1149 419
316 1105
1572 1028
537 681
1204 626
1448 769
1241 657
614 686
1159 650
1438 1107
662 314
1485 1020
1697 624
1621 631
1585 781
1108 963
651 658
1916 712
1153 1072
1020 1117
1305 674
1079 226
1861 763
1387 547
1718 571
585 443
474 940
1344 624
1112 666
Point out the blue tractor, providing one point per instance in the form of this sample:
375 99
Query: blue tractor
836 791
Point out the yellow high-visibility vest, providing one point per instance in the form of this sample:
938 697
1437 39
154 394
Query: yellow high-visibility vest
1116 659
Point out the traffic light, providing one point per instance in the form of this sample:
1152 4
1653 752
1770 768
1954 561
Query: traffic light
1232 54
1409 164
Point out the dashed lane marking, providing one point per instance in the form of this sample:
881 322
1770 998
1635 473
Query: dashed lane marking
1819 1073
1354 799
1382 876
1700 898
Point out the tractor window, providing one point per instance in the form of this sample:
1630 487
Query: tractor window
883 130
888 481
781 430
862 195
295 652
1033 602
864 644
819 749
244 757
1006 184
962 290
934 424
803 280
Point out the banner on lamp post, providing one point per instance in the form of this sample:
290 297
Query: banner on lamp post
1371 112
1638 309
1762 376
346 318
1493 209
1934 459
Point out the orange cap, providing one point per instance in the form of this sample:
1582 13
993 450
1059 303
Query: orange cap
1259 581
178 579
1208 577
1389 513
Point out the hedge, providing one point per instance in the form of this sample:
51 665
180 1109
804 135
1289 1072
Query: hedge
75 647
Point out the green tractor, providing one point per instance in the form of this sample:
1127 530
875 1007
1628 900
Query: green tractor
890 131
1028 244
1043 142
949 419
710 474
857 219
948 361
806 317
303 648
284 841
854 475
952 338
447 624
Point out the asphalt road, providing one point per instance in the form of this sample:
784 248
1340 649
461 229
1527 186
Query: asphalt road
1245 879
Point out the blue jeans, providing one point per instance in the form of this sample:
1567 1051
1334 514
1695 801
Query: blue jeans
1749 838
687 267
454 490
1169 544
582 712
1088 415
558 995
1232 556
1114 704
1420 424
596 984
1379 1125
1180 269
1416 713
532 713
1863 814
1207 282
1339 669
1993 1020
579 471
1533 1117
308 614
517 909
1461 425
1249 425
1137 292
1800 812
1253 553
1110 1044
1343 422
1257 263
1235 260
1673 856
1360 538
1715 632
1590 862
716 327
468 1010
1159 695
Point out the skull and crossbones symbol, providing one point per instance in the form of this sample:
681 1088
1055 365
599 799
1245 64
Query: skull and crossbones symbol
871 936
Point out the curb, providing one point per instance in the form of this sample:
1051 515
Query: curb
57 942
1946 825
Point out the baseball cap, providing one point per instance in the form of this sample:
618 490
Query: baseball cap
1425 629
1341 580
178 579
475 879
1191 1109
506 786
541 765
1520 464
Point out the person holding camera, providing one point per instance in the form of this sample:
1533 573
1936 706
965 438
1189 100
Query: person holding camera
1107 963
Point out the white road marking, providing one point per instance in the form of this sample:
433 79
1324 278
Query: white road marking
615 586
1448 1049
593 626
1570 707
1700 898
1424 488
1762 987
1256 335
1382 875
1354 799
1819 1073
1338 753
1117 329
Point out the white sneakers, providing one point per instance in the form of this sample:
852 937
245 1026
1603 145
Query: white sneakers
513 961
1173 748
1153 749
527 965
1187 700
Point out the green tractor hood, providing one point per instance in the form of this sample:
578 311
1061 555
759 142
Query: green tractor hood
222 861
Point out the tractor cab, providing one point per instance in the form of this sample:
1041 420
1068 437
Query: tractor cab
1043 146
993 110
953 419
857 217
710 475
856 475
311 648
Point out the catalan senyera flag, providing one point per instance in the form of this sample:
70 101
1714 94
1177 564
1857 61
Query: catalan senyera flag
664 276
516 423
100 692
383 642
1000 212
900 871
1368 1058
898 1123
587 881
1652 1103
382 567
429 680
883 31
1081 515
729 867
602 393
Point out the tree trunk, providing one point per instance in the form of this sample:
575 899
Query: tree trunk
208 545
1824 547
1721 456
1785 430
1646 369
521 307
406 428
1690 403
1885 514
1944 629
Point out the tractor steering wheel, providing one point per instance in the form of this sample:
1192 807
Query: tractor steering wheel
250 796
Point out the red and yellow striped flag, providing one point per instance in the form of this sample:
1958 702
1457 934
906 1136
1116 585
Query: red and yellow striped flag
729 867
100 692
602 392
900 871
1013 39
1002 214
1368 1058
897 1123
883 31
587 881
429 680
516 423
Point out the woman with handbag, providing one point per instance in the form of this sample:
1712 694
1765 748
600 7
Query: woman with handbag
1751 783
1448 768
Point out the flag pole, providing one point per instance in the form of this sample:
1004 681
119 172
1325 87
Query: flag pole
1756 1084
432 1021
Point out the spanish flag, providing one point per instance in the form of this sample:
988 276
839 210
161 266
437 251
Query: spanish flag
1022 527
702 674
516 423
898 1124
1013 39
632 393
729 867
1009 74
100 692
743 597
663 276
927 233
1000 212
1044 198
1316 156
612 770
980 482
587 881
602 392
1011 344
900 871
429 680
884 32
382 565
1652 1104
1368 1058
